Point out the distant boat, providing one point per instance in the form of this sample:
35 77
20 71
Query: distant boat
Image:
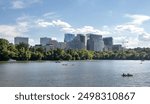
127 75
64 64
142 60
58 62
11 60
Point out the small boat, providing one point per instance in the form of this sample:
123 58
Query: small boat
65 64
11 60
127 75
58 62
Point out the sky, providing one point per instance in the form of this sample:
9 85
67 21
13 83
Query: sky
127 21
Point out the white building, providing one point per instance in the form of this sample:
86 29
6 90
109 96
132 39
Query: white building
19 40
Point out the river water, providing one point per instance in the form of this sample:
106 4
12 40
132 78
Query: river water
99 73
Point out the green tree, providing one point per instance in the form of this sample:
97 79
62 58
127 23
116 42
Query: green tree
4 52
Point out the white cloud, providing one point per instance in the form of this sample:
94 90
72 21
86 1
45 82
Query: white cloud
67 28
43 23
23 26
11 31
90 29
33 41
138 19
132 42
20 4
144 37
60 23
133 29
55 23
130 28
48 14
7 30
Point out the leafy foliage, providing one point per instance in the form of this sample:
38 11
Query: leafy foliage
24 52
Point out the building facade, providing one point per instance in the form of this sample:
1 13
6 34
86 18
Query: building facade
117 47
61 45
95 42
79 42
69 37
18 40
108 43
44 41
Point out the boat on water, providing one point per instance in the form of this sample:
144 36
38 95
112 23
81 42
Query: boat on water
57 61
11 60
142 61
127 75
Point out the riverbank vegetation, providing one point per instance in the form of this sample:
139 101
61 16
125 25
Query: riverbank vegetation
23 52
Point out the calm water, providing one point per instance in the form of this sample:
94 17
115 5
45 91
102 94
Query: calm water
74 73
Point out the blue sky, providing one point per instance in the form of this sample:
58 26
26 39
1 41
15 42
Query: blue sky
127 21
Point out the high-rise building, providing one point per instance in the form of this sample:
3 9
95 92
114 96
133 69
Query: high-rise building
19 40
108 42
79 42
44 41
69 37
95 42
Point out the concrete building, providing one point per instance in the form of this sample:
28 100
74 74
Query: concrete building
69 37
79 42
108 43
61 45
54 43
19 40
46 48
117 47
48 41
95 42
44 41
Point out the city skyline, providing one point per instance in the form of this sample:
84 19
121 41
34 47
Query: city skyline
124 20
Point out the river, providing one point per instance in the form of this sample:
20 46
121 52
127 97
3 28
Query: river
97 73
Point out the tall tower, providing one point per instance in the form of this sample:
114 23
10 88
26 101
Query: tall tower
69 37
95 42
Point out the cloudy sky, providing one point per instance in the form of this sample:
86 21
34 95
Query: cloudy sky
127 21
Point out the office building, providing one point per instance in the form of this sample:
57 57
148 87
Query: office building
79 42
61 45
108 43
95 42
117 47
69 37
19 40
44 41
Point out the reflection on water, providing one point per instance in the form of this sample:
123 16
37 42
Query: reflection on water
101 73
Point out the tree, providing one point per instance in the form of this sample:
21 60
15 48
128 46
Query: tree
23 52
36 56
4 52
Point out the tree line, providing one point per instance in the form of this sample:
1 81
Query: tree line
23 52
